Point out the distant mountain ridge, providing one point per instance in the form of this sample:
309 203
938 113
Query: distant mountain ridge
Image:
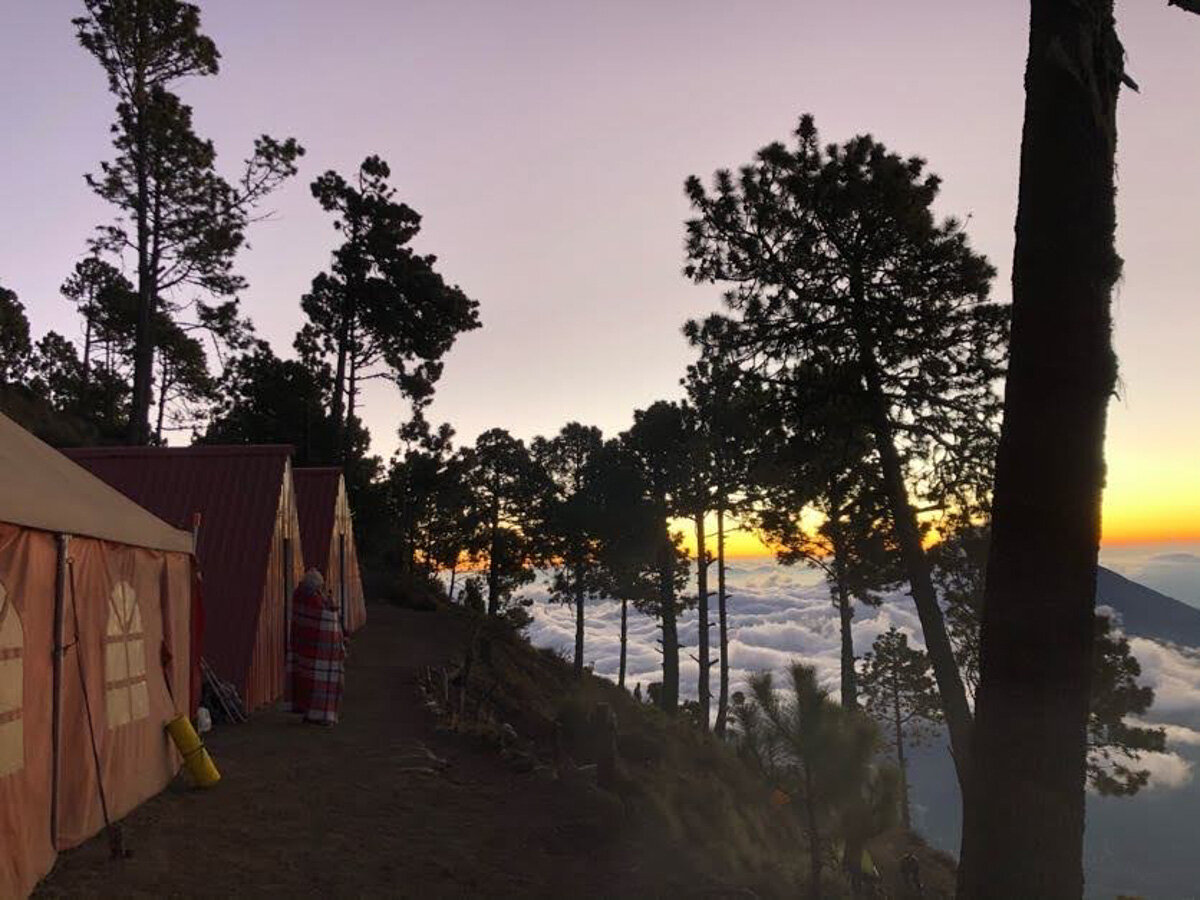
1145 612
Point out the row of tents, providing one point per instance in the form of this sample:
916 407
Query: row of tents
120 568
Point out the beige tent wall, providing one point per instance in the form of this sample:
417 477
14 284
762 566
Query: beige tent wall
27 572
285 568
128 634
343 530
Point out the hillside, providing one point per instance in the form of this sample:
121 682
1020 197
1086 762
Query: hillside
407 797
1147 613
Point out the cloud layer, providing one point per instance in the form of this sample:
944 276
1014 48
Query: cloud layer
780 614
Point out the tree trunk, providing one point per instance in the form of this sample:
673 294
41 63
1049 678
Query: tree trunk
901 762
138 432
162 400
578 576
846 616
723 695
624 639
916 565
453 575
87 349
670 631
704 690
1023 835
493 575
814 837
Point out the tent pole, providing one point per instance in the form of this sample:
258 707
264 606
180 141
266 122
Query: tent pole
60 591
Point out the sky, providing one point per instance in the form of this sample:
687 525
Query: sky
546 143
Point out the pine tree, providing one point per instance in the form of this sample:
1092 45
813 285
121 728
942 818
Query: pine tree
1038 632
629 532
820 753
572 529
15 343
899 693
382 311
834 256
658 441
182 220
1114 741
506 485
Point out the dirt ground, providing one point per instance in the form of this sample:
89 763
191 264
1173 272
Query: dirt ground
347 811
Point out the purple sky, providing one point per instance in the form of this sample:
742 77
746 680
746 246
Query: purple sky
546 143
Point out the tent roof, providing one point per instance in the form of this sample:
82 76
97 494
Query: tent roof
316 502
40 488
236 491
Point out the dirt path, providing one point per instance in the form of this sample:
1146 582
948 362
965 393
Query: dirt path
305 811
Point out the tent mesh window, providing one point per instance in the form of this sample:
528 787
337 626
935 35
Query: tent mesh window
126 696
12 647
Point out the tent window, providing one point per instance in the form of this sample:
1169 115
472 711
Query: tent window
12 687
126 694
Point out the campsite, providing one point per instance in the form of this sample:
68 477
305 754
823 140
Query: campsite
670 449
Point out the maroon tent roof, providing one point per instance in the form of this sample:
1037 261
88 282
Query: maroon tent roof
236 491
316 503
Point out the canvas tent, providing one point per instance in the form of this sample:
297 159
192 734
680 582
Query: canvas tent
327 532
247 545
96 602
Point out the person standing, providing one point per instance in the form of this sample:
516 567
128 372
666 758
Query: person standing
317 658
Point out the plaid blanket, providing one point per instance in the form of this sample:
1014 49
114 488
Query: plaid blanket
316 661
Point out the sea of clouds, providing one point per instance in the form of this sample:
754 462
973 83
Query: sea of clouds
780 614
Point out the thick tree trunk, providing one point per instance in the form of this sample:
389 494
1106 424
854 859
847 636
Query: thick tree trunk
916 566
704 688
1023 834
624 639
578 577
670 630
723 623
453 575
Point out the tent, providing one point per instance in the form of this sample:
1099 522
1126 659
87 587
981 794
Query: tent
327 534
247 545
96 605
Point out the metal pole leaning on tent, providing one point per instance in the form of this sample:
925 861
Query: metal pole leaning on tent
116 838
60 593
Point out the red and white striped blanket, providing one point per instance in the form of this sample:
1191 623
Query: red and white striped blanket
316 661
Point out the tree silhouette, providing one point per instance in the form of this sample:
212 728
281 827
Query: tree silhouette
15 343
382 311
819 752
658 441
506 485
834 257
629 529
572 529
900 694
727 414
820 500
1038 631
1115 743
182 220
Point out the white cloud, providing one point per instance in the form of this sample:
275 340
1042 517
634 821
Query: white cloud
778 615
1167 770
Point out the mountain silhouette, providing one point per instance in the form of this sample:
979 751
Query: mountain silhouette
1147 613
